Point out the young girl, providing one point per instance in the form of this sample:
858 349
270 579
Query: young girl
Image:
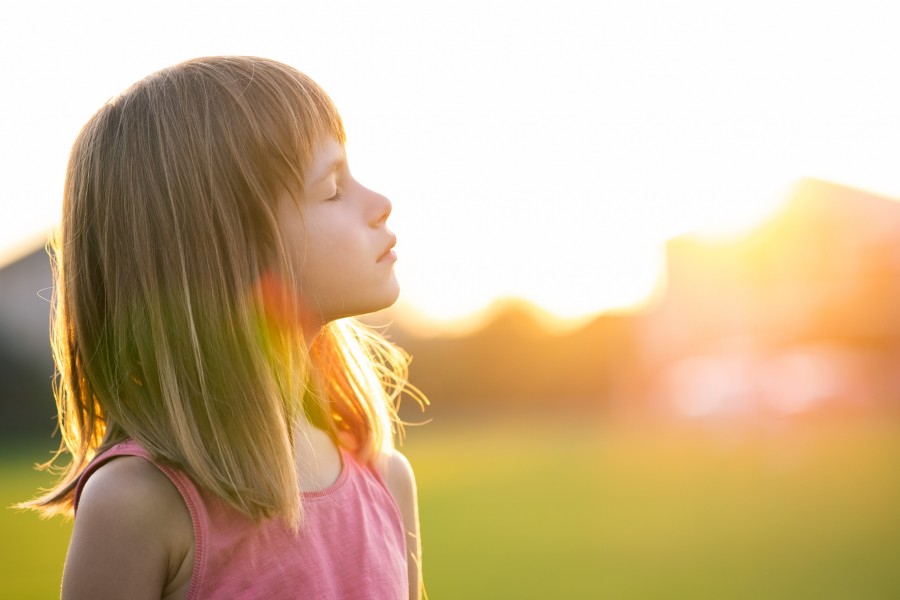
230 430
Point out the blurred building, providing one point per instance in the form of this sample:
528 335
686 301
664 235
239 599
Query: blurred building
26 367
801 313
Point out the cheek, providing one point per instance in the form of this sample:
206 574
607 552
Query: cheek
322 264
332 244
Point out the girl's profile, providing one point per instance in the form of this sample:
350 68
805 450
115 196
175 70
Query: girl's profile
227 425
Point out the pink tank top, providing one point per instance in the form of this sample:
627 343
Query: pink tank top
350 545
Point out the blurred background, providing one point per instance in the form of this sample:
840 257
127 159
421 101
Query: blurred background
650 258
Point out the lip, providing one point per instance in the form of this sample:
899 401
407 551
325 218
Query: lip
389 254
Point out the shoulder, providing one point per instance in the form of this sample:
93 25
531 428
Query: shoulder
132 532
400 481
129 483
398 475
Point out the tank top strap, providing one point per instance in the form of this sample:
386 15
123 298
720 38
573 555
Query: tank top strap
374 469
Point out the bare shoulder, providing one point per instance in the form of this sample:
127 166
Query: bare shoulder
132 485
132 534
398 474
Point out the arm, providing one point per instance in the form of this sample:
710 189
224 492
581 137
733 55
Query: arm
129 539
399 478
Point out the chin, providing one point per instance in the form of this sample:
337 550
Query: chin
395 294
374 304
387 301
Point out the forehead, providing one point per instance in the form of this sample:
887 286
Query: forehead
328 156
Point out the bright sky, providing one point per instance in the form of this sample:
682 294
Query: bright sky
534 149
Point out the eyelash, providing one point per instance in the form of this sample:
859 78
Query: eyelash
337 196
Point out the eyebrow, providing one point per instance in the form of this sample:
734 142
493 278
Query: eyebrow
333 166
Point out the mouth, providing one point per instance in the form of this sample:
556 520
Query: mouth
389 254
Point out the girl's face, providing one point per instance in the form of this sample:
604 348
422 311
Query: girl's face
340 246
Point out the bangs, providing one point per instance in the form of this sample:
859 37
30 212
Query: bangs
294 113
284 112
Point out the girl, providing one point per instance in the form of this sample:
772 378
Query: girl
230 430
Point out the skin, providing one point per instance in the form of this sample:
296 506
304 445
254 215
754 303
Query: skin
340 243
133 537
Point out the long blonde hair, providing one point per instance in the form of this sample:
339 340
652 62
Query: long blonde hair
159 330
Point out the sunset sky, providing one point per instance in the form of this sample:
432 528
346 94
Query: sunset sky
541 150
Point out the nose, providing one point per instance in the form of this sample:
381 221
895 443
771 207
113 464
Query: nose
381 207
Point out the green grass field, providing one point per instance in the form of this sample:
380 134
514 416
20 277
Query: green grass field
532 510
32 550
